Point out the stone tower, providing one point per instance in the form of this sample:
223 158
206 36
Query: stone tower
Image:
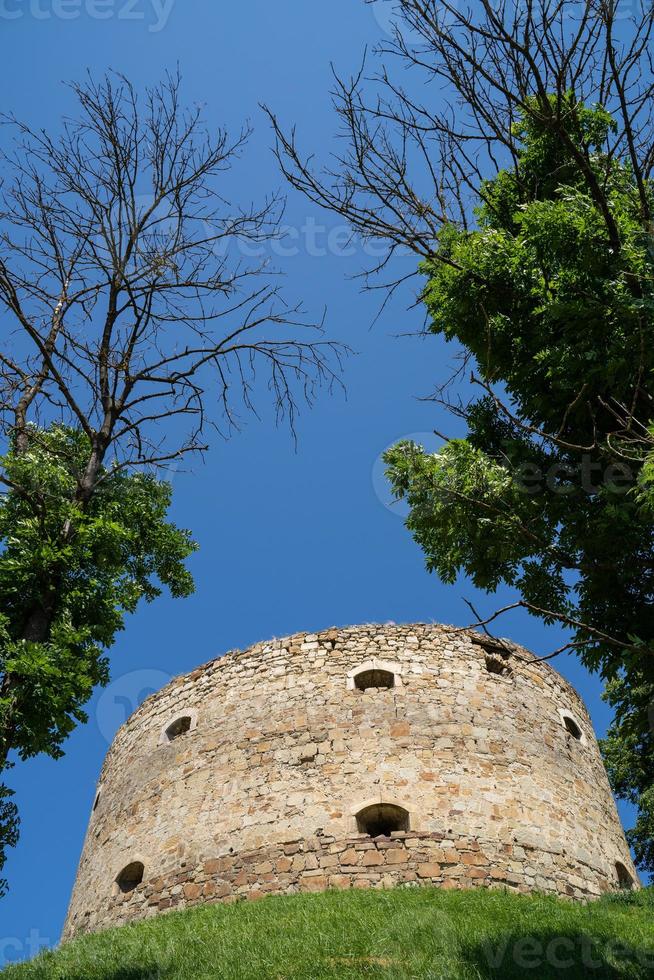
370 756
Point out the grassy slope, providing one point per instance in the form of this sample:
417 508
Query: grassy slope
406 933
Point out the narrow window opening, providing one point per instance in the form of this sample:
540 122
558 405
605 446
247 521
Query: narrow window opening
130 877
179 727
624 878
96 801
495 665
374 679
572 727
382 819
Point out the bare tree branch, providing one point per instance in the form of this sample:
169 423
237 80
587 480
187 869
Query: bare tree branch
120 268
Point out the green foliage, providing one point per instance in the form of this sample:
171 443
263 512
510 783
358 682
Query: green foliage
549 493
9 823
97 561
397 935
70 571
628 752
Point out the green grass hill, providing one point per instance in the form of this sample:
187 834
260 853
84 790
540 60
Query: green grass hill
405 933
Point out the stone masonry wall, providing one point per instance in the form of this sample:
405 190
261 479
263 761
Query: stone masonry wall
261 795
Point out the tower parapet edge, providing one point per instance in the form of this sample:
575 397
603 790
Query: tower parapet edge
365 756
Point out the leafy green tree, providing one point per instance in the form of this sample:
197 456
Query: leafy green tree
628 750
548 493
9 824
88 564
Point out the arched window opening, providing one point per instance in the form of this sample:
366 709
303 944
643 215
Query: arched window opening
374 675
130 877
572 727
179 727
382 819
495 665
624 878
374 679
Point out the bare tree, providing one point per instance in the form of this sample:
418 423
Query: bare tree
414 162
128 312
126 303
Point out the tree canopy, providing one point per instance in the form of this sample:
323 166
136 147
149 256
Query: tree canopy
513 155
90 566
549 492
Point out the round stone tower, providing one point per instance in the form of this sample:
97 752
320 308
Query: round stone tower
371 756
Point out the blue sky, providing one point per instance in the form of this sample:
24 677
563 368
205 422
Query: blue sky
291 539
